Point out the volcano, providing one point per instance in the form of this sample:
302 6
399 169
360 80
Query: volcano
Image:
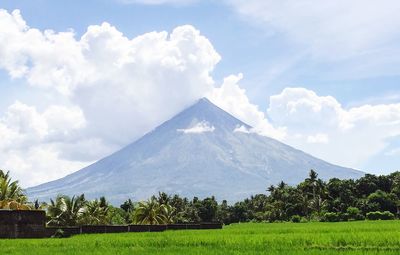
202 151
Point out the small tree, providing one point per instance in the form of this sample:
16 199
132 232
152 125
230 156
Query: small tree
66 211
149 213
11 194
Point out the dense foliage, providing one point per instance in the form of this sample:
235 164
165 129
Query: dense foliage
370 197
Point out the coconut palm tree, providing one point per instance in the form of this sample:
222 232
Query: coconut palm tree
66 211
95 212
11 194
150 212
169 212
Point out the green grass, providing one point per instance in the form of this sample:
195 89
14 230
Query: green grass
378 237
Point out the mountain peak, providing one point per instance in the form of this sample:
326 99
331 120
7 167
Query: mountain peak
204 111
204 102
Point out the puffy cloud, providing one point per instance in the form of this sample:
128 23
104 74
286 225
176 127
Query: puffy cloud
45 59
201 127
154 66
242 129
234 100
110 76
24 125
113 89
322 127
38 163
27 141
304 109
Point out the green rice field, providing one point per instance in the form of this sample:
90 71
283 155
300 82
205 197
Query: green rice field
366 237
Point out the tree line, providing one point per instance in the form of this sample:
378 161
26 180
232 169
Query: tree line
370 197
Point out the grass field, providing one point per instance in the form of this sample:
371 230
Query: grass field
379 237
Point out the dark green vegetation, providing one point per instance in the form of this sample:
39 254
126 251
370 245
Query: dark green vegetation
362 237
370 197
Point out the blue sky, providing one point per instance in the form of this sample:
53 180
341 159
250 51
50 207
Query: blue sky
348 51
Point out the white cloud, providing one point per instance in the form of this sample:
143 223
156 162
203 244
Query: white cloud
322 127
27 141
38 163
319 125
113 89
305 109
242 129
198 128
234 100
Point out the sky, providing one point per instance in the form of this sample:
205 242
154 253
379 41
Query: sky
81 79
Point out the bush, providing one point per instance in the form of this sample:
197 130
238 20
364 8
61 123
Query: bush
330 217
345 217
373 215
304 220
386 215
296 219
359 217
354 213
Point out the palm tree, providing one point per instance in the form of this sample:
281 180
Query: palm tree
169 212
11 194
150 213
163 198
66 211
95 212
271 189
316 190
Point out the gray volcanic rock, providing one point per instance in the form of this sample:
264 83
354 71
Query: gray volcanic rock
202 151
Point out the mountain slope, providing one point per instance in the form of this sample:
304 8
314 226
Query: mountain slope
200 152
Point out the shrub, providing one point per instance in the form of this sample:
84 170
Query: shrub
344 217
359 217
373 215
330 217
354 213
296 219
386 215
304 220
